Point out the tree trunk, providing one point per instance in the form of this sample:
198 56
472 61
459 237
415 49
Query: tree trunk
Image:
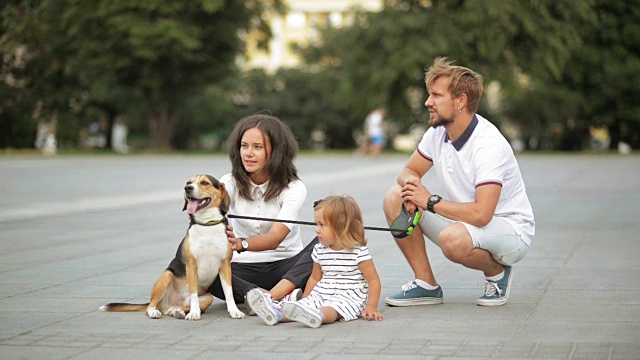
614 136
112 111
161 129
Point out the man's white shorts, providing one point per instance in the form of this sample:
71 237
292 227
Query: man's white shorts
498 237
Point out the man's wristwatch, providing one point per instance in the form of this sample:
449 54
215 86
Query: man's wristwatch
245 245
433 199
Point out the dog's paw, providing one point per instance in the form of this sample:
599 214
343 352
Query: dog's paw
176 313
154 313
179 314
192 316
236 314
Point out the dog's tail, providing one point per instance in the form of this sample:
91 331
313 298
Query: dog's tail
119 307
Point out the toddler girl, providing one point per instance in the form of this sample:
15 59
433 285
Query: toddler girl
344 283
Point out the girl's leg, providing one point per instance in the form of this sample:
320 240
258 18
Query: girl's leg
297 270
329 315
282 288
299 267
301 312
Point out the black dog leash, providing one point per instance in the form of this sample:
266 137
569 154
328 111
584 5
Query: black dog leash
303 222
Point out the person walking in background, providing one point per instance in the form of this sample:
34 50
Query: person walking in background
119 132
46 137
264 183
484 221
344 284
373 141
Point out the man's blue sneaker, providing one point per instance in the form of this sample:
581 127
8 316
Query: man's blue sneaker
413 294
496 293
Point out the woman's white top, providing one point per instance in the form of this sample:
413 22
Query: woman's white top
286 206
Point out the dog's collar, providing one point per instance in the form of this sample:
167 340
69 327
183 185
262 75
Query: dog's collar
208 223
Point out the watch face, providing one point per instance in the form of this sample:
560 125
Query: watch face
433 198
245 244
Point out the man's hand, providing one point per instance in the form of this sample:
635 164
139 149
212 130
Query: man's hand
414 195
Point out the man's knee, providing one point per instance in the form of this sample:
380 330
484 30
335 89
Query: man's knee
454 241
392 200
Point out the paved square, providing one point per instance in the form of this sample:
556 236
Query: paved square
78 232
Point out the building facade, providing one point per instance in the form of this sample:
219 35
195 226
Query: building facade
300 26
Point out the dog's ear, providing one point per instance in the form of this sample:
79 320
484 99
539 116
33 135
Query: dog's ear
226 199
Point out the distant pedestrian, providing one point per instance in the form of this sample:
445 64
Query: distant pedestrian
344 284
119 133
484 221
373 140
46 137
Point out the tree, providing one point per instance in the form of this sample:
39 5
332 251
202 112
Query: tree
304 100
598 87
382 56
606 71
34 87
158 53
162 51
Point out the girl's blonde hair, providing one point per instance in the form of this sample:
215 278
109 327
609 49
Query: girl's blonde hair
343 214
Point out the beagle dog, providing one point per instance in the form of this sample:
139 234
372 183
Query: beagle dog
203 254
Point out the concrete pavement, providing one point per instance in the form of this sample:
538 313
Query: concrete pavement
77 232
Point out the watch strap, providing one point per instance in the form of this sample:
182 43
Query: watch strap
243 241
433 200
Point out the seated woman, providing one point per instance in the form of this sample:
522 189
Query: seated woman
264 183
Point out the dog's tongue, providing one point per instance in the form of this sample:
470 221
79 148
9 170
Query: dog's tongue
192 206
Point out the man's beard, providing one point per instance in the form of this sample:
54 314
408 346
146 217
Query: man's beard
439 122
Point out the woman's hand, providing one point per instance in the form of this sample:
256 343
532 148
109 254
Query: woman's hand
230 233
236 243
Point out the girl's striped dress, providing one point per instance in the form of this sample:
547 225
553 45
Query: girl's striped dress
342 286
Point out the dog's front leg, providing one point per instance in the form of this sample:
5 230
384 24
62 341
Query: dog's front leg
192 280
225 281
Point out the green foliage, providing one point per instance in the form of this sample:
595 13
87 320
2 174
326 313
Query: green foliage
39 90
122 55
304 101
164 49
606 70
554 60
596 87
169 65
17 129
206 119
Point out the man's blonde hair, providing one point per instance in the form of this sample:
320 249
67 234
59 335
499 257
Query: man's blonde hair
343 215
463 80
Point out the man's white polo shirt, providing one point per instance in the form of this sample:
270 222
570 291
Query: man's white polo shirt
480 156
